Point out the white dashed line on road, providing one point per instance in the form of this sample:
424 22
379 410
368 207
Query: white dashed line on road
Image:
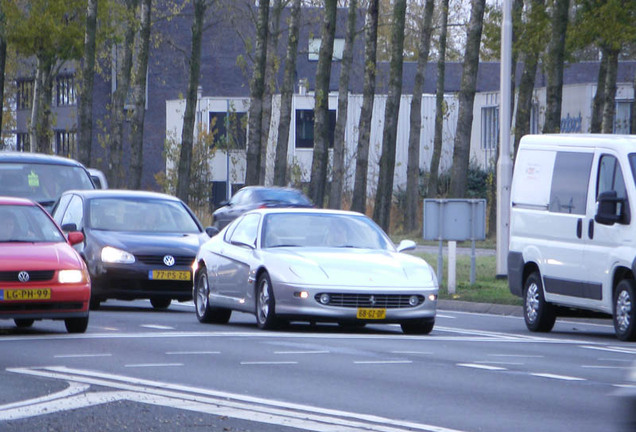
383 362
143 365
481 366
558 377
80 355
192 352
268 362
157 326
302 352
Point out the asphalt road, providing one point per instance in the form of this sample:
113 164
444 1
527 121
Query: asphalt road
137 369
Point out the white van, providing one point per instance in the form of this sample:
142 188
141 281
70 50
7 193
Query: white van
572 235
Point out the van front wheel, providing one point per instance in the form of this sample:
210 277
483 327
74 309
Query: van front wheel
625 310
539 314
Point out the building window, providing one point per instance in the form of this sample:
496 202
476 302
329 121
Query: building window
622 117
305 128
313 50
236 134
22 142
65 143
489 128
24 94
65 91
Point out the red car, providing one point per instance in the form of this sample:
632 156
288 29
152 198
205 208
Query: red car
41 275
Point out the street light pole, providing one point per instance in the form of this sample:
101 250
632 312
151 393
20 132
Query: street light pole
504 163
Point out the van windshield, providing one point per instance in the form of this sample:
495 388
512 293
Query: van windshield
43 183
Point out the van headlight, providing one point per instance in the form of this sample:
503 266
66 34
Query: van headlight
114 255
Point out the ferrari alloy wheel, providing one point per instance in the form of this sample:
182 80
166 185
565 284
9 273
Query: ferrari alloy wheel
265 304
206 313
625 310
539 314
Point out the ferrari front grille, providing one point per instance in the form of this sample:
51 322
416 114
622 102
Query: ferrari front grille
385 301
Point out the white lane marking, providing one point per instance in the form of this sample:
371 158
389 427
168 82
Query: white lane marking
72 389
516 355
232 405
615 360
157 326
302 352
622 350
445 316
412 352
192 352
481 366
605 367
268 362
558 377
499 363
81 355
144 365
383 362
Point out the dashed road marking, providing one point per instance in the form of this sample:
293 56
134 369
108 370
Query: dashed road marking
481 366
148 365
557 377
81 355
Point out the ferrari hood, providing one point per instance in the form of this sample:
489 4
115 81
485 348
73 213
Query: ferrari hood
38 256
355 267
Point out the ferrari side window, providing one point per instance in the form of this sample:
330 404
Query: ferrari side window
245 232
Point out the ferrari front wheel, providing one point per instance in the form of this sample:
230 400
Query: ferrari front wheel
265 304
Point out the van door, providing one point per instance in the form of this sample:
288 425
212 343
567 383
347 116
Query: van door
602 252
563 268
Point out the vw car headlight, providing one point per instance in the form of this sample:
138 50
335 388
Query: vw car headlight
70 276
114 255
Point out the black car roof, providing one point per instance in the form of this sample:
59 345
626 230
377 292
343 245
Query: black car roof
38 158
120 193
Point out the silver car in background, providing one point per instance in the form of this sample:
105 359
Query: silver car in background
313 265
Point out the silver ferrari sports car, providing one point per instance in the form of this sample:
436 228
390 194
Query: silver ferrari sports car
313 265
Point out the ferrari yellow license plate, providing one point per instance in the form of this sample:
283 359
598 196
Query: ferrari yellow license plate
25 294
368 313
181 275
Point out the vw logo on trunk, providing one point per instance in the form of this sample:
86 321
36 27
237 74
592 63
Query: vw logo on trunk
168 260
23 276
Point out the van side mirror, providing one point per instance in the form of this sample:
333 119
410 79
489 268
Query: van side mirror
610 209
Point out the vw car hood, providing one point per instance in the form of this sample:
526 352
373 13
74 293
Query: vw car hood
38 256
151 243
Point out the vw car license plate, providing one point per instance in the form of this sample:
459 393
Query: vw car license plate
25 294
368 313
182 275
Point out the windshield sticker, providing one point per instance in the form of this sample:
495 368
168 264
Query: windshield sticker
34 180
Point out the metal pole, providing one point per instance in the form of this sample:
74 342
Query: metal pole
473 216
504 163
228 188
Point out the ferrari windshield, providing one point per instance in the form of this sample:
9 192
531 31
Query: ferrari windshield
20 223
147 215
322 230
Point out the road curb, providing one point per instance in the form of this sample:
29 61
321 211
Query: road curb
488 308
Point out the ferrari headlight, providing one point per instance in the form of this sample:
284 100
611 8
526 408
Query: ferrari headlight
114 255
70 276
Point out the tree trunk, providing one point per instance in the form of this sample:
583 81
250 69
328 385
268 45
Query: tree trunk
339 141
118 102
287 92
384 196
40 129
431 189
3 63
257 90
321 106
554 65
139 97
271 70
85 100
599 98
461 151
609 105
413 165
359 199
189 118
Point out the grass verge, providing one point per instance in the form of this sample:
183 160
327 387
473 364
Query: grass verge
487 288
